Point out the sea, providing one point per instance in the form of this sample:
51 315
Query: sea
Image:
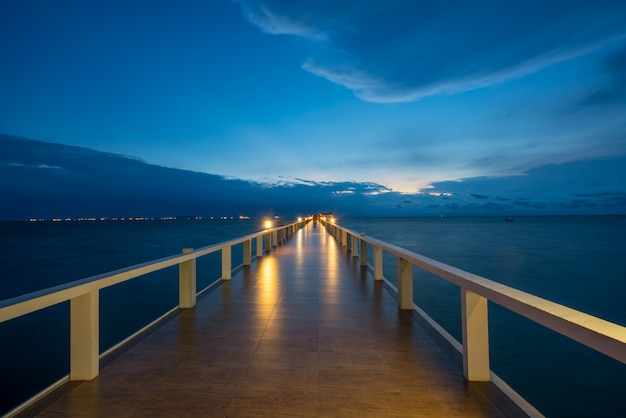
577 261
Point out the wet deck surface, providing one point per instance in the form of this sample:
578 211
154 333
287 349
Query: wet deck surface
302 332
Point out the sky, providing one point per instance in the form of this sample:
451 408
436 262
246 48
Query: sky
486 99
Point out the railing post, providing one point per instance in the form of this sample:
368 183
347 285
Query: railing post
259 246
268 242
84 336
344 238
274 238
187 282
363 251
405 284
226 262
355 246
247 252
378 263
475 324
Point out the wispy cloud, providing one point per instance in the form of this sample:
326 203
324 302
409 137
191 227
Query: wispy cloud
44 166
263 15
614 89
404 50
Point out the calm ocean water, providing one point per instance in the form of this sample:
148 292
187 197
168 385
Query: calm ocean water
576 261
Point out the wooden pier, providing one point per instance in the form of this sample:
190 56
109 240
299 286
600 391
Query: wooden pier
304 331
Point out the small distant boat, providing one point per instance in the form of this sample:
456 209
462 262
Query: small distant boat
509 219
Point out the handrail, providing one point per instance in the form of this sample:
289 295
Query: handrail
41 299
83 294
601 335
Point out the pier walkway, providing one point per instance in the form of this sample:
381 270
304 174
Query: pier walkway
304 331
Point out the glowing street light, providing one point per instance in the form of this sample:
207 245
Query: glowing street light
267 224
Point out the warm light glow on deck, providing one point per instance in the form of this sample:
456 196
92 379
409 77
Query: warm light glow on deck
331 267
300 252
269 272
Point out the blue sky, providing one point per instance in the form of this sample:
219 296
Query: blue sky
439 97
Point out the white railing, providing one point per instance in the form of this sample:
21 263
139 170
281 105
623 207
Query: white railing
601 335
83 295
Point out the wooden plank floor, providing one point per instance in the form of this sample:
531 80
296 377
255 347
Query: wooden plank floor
303 332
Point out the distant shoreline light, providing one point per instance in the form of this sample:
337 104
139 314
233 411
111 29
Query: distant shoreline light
138 219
